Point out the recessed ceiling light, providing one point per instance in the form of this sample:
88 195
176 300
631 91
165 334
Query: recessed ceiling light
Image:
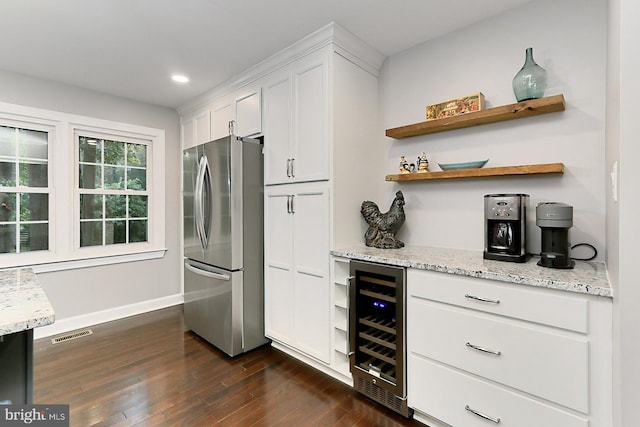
179 78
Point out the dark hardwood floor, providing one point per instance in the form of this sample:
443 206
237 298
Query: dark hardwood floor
147 370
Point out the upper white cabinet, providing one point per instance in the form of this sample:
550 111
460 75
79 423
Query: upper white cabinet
196 128
242 107
296 107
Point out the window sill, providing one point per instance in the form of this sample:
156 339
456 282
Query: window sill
96 262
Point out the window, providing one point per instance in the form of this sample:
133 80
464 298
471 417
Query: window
78 191
113 191
24 190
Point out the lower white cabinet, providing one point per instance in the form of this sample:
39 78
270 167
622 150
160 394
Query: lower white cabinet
297 291
480 351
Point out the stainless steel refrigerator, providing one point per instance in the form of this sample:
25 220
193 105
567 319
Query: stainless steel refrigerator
223 243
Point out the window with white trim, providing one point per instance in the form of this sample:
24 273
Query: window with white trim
24 190
112 186
78 191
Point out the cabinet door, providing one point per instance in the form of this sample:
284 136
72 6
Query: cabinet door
277 128
278 256
311 284
221 115
310 151
248 108
196 128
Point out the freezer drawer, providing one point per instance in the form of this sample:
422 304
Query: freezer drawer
213 305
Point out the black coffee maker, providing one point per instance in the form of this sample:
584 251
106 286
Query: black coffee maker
555 219
505 227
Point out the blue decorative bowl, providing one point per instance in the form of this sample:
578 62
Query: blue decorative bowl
466 165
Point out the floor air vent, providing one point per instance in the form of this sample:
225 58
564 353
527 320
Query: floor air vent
71 336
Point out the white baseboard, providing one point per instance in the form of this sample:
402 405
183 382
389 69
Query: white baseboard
85 320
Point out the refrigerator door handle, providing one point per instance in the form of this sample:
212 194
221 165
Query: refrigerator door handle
199 202
206 273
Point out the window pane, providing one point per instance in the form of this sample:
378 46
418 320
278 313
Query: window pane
136 179
137 231
114 153
34 237
7 141
90 150
33 174
90 206
138 206
7 174
7 207
91 233
136 155
115 206
90 176
7 238
33 144
113 178
34 207
115 232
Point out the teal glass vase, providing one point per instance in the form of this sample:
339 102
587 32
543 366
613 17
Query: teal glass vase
531 81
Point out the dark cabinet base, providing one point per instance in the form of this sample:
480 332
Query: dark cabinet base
16 367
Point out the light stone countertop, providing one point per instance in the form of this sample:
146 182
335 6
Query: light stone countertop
587 277
23 303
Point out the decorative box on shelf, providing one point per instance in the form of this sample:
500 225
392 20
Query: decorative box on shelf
455 107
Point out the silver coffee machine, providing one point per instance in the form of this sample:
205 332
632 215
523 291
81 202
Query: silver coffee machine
505 227
555 219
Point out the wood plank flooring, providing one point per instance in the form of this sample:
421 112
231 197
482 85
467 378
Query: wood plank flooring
147 370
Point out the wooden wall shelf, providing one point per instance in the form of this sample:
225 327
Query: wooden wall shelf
548 168
533 107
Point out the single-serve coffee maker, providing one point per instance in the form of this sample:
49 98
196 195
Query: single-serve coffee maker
505 227
555 219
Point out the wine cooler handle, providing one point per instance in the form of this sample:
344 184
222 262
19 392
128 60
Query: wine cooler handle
481 415
473 297
349 352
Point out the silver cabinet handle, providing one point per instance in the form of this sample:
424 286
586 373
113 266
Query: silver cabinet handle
292 206
288 168
481 415
293 175
473 297
484 350
232 126
288 204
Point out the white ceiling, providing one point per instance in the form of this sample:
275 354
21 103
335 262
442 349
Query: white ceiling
130 48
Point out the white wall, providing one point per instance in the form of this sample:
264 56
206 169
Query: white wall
117 289
569 41
623 227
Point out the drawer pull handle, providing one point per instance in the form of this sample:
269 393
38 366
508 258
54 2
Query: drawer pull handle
484 350
473 297
481 415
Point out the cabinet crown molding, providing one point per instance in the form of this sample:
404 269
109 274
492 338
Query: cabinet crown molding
344 43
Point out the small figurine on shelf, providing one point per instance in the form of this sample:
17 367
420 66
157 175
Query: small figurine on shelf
406 167
423 163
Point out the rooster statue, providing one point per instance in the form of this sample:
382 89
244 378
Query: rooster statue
383 226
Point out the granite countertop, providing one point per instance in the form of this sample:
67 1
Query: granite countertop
23 303
587 277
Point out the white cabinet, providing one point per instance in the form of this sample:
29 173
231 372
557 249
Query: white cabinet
297 121
196 128
524 355
297 292
242 107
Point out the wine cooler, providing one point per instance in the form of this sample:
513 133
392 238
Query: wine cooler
377 333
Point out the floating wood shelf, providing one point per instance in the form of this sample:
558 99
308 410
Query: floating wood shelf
479 173
533 107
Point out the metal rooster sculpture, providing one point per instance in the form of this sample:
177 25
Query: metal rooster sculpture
383 226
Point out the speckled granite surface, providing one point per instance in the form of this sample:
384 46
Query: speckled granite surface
23 303
586 277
